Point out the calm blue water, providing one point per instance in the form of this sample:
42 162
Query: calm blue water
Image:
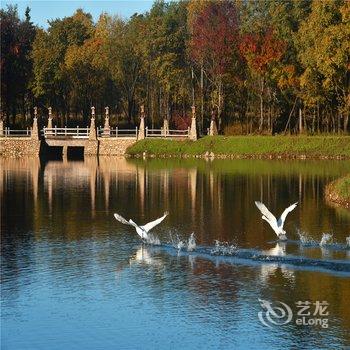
74 278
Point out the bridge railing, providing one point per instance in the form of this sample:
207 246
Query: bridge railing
74 133
7 132
171 133
116 132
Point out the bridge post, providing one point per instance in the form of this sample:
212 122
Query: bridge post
35 133
141 134
92 133
106 128
49 121
91 145
165 127
1 127
213 130
193 130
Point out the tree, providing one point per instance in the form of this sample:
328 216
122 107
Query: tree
16 65
51 83
87 68
213 43
166 61
123 50
324 46
260 51
253 63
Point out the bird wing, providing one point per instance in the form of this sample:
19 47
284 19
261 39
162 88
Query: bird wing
132 223
139 229
150 225
268 216
125 222
285 213
122 220
265 211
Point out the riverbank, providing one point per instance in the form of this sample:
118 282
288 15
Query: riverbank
338 191
269 147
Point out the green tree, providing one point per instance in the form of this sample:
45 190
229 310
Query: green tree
16 65
124 55
324 51
166 60
52 85
87 67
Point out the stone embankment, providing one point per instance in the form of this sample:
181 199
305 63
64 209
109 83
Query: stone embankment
114 147
19 146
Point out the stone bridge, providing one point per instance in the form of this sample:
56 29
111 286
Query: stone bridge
100 141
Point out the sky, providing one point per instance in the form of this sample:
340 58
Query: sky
42 11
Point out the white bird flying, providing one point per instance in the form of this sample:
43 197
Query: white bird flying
142 231
277 225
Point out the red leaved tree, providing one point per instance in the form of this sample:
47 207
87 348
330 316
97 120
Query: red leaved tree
213 41
261 50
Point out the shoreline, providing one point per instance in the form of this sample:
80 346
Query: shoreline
236 156
246 147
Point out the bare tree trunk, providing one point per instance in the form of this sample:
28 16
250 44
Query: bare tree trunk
318 118
220 103
160 103
261 105
300 121
346 122
202 99
148 93
327 121
290 115
247 117
192 80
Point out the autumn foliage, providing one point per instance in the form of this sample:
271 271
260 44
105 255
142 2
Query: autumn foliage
259 66
261 49
214 35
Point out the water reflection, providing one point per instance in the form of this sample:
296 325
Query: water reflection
268 270
214 199
62 247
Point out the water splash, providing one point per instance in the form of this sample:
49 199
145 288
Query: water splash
326 242
222 248
153 239
179 244
327 238
191 245
304 238
175 241
225 252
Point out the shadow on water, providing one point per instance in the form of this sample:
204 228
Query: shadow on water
54 153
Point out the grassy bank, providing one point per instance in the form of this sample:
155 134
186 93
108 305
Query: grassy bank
338 191
248 146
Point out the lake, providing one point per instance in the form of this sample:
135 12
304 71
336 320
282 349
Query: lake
73 277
